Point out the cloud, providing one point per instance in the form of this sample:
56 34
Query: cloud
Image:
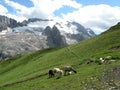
41 8
3 9
97 17
46 8
20 9
50 6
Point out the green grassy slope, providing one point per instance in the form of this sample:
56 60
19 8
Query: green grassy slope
29 71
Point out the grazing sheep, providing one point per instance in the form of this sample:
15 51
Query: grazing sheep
58 71
102 60
69 73
68 69
51 73
106 59
54 71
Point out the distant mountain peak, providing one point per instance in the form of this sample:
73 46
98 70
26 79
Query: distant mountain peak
34 34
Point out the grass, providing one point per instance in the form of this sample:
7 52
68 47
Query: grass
29 71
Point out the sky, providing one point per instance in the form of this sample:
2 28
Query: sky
99 15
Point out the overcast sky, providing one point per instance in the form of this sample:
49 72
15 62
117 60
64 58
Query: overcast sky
98 15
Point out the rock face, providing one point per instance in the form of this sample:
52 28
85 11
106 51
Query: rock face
54 38
16 43
6 22
35 34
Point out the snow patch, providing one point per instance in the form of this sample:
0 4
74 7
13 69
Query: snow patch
3 32
67 27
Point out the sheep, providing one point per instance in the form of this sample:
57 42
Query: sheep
51 73
106 59
54 71
102 60
69 73
68 70
58 71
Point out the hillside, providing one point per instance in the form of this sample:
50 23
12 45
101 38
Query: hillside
29 71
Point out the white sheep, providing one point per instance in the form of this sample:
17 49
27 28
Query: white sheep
58 71
106 59
102 60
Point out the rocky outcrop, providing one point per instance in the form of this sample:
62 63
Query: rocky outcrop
54 38
25 22
18 43
6 22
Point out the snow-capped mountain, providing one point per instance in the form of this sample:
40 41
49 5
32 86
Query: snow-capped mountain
72 31
34 34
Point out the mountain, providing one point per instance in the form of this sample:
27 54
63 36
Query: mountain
34 34
6 22
30 71
54 38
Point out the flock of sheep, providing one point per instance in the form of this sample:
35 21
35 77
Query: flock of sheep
67 70
106 59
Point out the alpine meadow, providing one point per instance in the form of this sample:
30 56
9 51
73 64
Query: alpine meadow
29 71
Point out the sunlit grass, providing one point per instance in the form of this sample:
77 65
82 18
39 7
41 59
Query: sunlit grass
29 71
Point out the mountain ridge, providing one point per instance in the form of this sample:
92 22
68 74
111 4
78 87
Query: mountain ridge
41 33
